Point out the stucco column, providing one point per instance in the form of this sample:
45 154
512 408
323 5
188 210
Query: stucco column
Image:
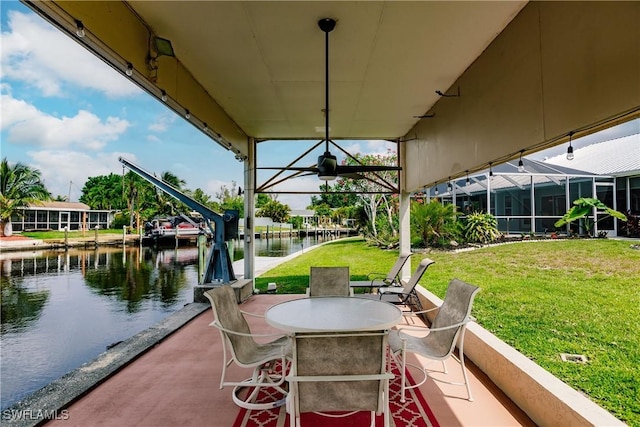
405 230
249 205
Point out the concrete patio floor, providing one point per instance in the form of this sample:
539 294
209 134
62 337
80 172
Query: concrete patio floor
176 384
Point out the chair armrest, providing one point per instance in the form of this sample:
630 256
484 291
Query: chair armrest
419 328
217 325
252 314
424 311
373 276
396 290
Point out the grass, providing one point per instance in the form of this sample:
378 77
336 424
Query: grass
543 298
43 235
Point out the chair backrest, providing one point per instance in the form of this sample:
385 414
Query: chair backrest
394 273
329 281
227 314
416 276
350 354
455 309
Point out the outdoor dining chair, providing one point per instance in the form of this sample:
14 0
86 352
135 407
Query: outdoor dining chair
392 278
338 375
269 361
447 330
405 295
329 281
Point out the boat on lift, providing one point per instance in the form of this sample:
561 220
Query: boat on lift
170 229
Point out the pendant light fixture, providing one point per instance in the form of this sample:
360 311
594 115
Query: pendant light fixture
570 149
521 163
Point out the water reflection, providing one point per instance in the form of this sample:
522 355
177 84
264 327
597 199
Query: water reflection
147 275
20 306
62 309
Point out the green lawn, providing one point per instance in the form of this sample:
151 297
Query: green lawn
543 298
43 235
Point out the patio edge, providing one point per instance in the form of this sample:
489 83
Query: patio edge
49 402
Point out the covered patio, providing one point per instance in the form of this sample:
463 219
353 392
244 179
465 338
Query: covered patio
176 383
458 86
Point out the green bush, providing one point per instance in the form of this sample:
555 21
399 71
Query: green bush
120 220
434 224
481 228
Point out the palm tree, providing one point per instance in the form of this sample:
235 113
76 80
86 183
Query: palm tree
20 185
168 205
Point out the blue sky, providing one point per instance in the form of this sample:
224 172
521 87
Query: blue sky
71 116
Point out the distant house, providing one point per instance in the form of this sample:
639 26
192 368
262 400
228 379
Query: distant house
58 215
530 199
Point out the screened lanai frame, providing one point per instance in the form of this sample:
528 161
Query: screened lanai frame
530 201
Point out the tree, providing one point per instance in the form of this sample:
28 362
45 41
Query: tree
296 222
262 199
275 210
103 192
375 203
140 196
168 205
20 185
581 209
204 199
333 199
231 199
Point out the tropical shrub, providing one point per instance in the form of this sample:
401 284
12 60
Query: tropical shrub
434 224
481 228
581 209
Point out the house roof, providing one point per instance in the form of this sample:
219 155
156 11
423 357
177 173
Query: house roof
617 157
75 206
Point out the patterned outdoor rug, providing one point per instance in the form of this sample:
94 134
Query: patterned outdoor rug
413 413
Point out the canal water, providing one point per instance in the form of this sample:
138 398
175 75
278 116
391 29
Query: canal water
61 309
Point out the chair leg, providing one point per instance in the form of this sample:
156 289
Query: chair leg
260 379
464 375
403 376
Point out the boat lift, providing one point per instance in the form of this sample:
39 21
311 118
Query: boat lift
219 266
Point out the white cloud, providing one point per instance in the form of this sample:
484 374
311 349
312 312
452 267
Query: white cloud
41 56
301 184
163 122
25 124
374 147
59 168
213 186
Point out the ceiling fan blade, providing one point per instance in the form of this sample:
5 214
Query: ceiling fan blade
341 170
312 169
352 175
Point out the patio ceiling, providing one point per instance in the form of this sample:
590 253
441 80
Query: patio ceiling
256 69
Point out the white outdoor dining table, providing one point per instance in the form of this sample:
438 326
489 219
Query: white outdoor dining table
333 314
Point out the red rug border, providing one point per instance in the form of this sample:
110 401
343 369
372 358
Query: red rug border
432 418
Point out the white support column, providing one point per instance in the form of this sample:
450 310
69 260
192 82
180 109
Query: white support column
405 230
532 195
489 192
567 192
249 219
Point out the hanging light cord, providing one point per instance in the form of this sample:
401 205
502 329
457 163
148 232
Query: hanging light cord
326 89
